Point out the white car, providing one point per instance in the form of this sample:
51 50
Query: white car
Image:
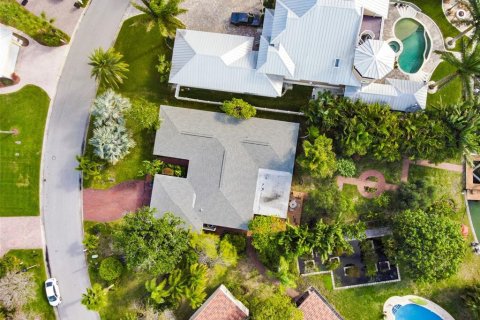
53 293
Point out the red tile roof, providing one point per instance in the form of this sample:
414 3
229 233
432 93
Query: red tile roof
315 307
221 305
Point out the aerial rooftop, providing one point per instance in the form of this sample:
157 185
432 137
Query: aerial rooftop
236 168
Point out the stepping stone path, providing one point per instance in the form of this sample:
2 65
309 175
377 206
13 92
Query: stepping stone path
370 179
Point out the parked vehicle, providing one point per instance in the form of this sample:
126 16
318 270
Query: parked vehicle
52 291
245 19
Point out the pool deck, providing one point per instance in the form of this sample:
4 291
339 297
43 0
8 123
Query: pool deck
434 32
396 300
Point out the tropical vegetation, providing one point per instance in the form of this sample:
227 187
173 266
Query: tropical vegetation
238 108
108 68
161 14
39 28
318 159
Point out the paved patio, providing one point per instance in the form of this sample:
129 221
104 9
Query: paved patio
434 32
20 233
114 203
451 8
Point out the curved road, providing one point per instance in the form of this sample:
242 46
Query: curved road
61 196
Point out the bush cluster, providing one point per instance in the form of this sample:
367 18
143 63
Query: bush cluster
110 269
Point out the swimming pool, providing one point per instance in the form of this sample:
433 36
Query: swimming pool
475 214
416 44
413 311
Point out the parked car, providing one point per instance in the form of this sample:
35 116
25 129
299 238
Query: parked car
52 291
245 19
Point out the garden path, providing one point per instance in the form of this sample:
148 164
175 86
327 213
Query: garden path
20 233
378 182
370 179
112 204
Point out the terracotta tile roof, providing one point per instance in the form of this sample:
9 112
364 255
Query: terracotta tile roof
315 307
221 305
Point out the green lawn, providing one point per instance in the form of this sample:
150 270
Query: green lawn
39 306
25 110
451 92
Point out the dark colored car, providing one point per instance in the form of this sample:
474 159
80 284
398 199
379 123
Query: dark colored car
245 19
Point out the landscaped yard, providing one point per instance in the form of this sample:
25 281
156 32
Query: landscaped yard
13 14
39 306
451 93
144 82
25 110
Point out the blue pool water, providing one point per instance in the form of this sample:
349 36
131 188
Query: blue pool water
415 40
415 312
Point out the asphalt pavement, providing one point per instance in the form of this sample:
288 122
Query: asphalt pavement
61 194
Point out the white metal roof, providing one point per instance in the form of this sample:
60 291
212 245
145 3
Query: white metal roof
374 59
315 38
8 53
376 7
220 62
401 95
277 61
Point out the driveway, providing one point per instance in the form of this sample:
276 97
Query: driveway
20 233
214 15
38 65
61 195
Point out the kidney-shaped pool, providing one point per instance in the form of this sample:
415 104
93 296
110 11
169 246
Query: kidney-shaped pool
416 44
414 312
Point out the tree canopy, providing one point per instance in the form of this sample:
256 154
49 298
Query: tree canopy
162 14
275 306
318 159
149 243
429 247
238 108
108 68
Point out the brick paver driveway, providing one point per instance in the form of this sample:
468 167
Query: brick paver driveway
20 233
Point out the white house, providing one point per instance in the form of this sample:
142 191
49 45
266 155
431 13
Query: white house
321 43
9 49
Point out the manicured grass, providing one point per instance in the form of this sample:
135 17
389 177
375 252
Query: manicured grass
13 14
39 306
451 92
391 170
25 110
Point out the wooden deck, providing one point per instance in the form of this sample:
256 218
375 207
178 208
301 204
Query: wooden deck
472 185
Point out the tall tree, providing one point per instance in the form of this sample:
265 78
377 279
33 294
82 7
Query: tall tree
318 159
429 247
163 14
471 297
472 20
466 65
276 306
149 243
108 68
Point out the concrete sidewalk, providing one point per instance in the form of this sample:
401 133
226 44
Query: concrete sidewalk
20 233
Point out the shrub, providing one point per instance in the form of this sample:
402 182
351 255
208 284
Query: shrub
332 264
111 143
110 269
318 158
16 16
346 167
7 264
163 67
228 253
109 108
144 115
238 241
238 108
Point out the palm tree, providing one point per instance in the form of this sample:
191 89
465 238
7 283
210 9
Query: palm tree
473 22
107 67
466 66
163 14
158 293
176 283
95 298
471 298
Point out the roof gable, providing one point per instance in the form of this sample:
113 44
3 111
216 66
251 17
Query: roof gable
221 305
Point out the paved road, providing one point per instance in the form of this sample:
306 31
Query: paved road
61 198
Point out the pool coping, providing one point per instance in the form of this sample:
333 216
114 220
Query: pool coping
404 300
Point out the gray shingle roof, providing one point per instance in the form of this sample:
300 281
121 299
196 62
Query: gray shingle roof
225 156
